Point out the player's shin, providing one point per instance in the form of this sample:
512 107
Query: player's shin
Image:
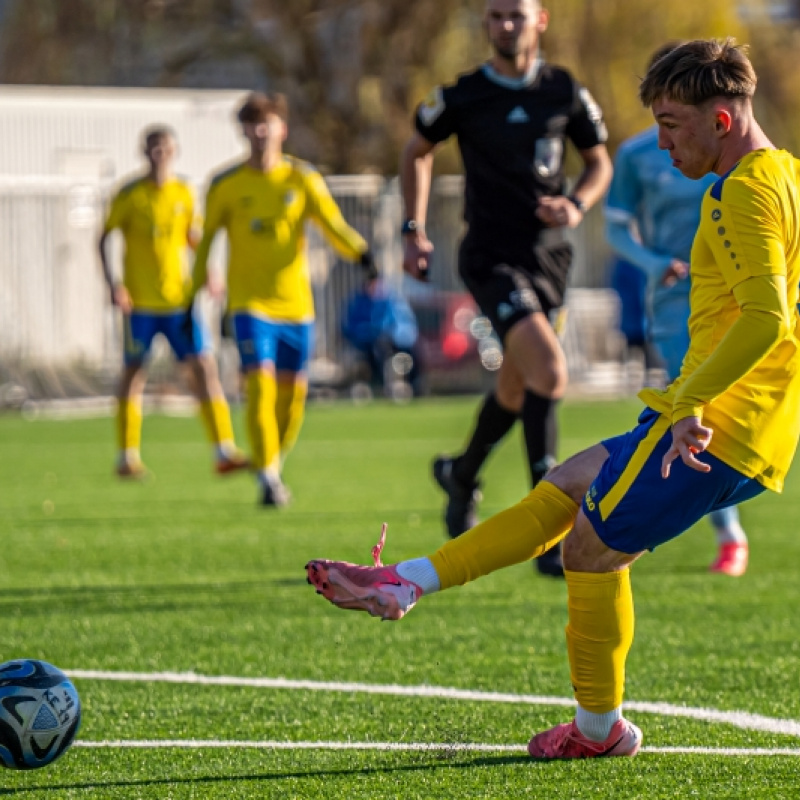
599 636
517 534
262 426
216 417
129 424
290 412
540 427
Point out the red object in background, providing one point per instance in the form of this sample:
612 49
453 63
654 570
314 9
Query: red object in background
455 345
444 320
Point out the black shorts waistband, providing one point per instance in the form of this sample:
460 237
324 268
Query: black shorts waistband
502 241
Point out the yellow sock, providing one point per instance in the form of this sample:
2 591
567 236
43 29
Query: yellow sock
517 534
290 408
129 423
261 423
599 636
216 418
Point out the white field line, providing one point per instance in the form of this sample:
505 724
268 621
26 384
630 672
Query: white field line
449 749
739 719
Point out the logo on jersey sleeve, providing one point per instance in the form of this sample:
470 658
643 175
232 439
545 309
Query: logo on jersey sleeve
432 107
594 113
547 156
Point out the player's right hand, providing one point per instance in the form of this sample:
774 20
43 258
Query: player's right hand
689 437
417 249
121 298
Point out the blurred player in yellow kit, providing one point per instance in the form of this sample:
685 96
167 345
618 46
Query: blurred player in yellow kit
156 215
263 204
724 431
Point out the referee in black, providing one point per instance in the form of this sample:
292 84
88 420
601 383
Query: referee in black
512 117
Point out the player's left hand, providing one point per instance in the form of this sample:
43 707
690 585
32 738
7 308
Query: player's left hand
558 212
689 437
676 271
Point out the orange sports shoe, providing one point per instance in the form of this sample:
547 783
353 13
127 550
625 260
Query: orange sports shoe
731 559
131 470
565 741
231 462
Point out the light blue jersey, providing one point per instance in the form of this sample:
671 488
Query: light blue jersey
652 212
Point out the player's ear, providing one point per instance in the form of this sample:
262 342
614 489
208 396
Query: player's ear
722 120
543 20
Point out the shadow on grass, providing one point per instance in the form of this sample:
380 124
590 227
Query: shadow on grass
124 599
438 760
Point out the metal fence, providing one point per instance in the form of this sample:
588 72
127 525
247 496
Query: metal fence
60 337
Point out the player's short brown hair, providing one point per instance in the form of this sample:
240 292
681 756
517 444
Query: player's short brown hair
700 70
660 52
154 133
259 105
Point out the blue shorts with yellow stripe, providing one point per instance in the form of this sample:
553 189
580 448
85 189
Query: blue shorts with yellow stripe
286 345
187 334
632 508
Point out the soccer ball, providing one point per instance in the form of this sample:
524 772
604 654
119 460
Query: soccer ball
40 713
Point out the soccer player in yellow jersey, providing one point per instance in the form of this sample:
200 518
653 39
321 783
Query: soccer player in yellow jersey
156 214
263 204
724 431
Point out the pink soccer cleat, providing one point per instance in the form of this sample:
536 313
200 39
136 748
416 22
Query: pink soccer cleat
731 560
378 590
566 741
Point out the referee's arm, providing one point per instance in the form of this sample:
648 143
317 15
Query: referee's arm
593 182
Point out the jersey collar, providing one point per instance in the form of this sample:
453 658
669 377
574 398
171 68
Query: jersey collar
514 83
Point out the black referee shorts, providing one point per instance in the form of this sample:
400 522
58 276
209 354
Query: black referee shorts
509 286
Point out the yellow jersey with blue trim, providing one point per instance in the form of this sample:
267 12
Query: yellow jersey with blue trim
741 373
155 222
264 215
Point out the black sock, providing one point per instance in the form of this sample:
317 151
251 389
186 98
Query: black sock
492 424
540 426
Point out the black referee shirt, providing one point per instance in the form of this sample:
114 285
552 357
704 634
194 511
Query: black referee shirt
511 134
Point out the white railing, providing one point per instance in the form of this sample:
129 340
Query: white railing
54 311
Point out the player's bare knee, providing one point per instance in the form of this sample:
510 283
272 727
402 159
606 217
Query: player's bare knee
548 379
510 398
562 478
583 551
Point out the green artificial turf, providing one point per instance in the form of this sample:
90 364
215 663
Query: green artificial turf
184 573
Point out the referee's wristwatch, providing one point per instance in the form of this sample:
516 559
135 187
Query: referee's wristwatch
410 226
578 203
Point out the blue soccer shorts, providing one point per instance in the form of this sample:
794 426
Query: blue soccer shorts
186 337
285 345
632 508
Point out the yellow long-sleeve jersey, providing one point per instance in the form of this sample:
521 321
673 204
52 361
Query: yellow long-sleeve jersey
264 215
741 374
155 222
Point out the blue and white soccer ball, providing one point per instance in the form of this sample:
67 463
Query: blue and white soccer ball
40 713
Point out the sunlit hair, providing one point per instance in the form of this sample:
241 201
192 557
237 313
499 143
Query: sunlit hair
536 5
258 106
660 52
156 133
696 71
